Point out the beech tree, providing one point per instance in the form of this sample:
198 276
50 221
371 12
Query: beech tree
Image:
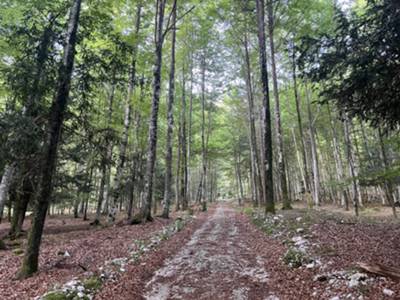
267 134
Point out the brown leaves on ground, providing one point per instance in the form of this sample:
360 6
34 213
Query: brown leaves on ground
88 247
345 245
339 246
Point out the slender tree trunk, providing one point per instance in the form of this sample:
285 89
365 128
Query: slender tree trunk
153 126
189 148
253 135
136 159
86 202
30 261
350 158
170 121
306 183
20 207
184 177
338 160
178 173
106 157
314 153
118 184
203 121
388 184
278 126
5 187
239 176
267 138
357 166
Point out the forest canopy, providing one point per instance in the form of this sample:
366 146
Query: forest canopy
358 64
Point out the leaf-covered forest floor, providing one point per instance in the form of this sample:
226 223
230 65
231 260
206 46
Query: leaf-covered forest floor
70 248
225 253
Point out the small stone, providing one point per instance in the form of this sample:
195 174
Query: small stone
300 230
80 288
356 278
80 294
335 298
321 277
310 265
298 219
388 292
272 297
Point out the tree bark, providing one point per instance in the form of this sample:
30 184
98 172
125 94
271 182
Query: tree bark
314 153
350 158
153 126
253 135
184 177
278 126
306 183
106 157
338 161
118 181
189 148
59 105
388 184
267 134
203 197
170 121
5 187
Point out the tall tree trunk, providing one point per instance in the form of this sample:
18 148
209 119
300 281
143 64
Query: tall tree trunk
20 207
253 135
153 126
170 121
306 183
239 176
314 152
118 184
106 157
388 184
136 158
278 126
338 161
267 134
5 186
184 177
178 172
59 105
189 148
350 158
86 202
203 197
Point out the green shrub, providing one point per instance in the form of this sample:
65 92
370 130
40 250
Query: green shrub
56 296
92 283
178 224
248 211
294 258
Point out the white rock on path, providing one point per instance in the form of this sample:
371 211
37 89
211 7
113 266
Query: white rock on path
388 292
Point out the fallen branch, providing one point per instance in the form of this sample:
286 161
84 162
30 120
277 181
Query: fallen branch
380 270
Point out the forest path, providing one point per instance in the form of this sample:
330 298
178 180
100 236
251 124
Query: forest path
218 262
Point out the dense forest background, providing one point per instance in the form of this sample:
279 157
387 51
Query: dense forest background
136 108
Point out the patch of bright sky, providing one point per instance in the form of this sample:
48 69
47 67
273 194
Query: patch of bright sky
346 4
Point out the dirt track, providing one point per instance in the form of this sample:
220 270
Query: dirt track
217 263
